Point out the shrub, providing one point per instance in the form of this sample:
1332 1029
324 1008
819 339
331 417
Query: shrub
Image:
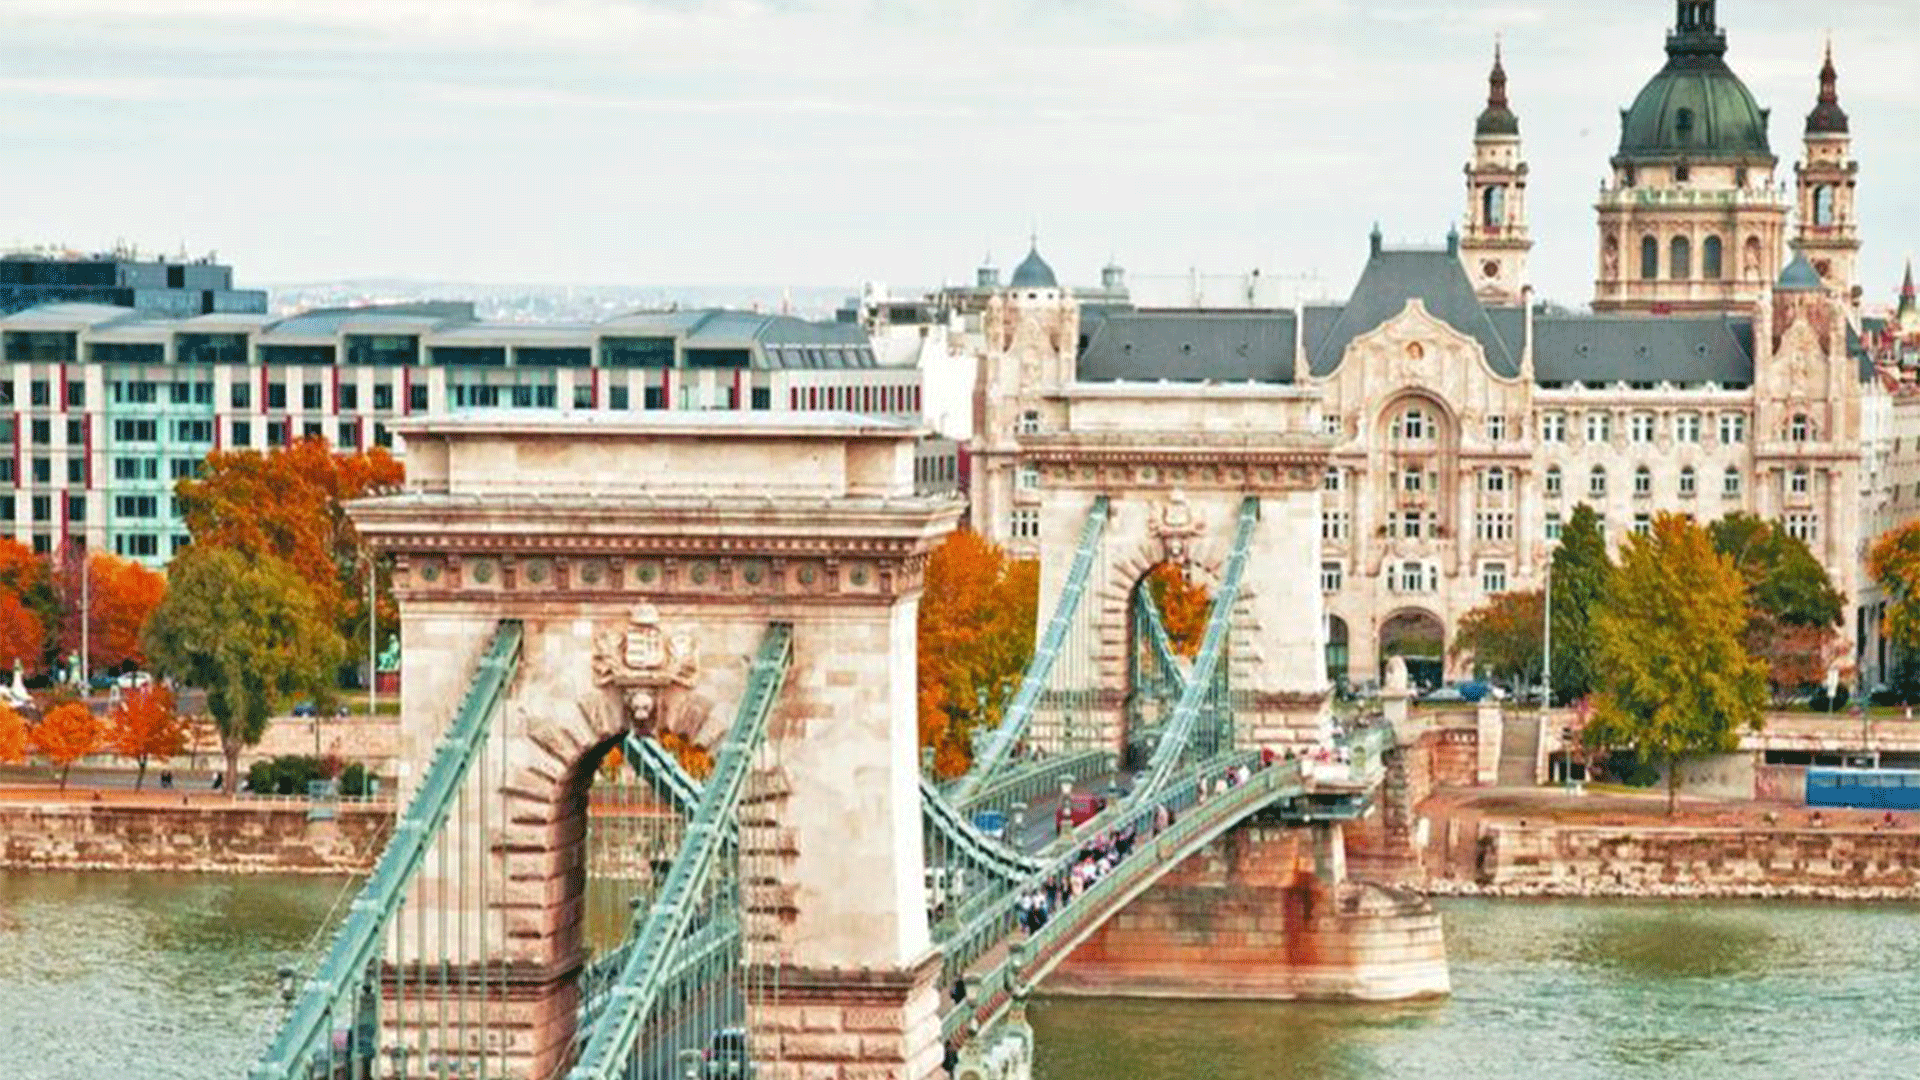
353 780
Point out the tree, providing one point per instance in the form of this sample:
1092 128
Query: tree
120 596
66 734
1672 671
290 504
1793 609
1504 637
975 637
1185 607
249 632
13 737
146 725
1580 572
21 636
1894 563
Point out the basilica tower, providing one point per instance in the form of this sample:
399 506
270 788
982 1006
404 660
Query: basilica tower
1828 231
1496 243
1691 220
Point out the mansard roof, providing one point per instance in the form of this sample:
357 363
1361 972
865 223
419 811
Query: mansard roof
1190 346
1438 280
1616 349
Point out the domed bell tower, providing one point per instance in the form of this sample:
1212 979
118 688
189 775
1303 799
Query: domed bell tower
1497 240
1691 221
1828 231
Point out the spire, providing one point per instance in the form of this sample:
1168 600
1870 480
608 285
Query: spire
1907 296
1498 119
1696 32
1828 118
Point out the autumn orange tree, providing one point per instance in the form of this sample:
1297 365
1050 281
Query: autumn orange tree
146 725
289 504
975 637
1184 607
13 737
21 635
26 627
120 596
66 734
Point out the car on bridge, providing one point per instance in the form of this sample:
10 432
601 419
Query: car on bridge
725 1057
991 823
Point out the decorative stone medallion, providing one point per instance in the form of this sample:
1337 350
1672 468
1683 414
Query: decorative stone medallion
653 673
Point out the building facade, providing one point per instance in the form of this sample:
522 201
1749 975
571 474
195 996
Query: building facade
1719 374
107 407
178 288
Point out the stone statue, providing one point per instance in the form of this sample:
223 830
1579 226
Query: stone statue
390 656
1396 675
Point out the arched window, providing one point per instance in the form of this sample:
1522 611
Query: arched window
1649 259
1413 426
1494 482
1493 206
1597 482
1555 482
1712 259
1798 481
1800 430
1689 482
1730 483
1683 125
1643 481
1680 265
1823 205
1752 267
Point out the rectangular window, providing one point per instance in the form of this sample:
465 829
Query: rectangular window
1643 483
193 431
382 437
1332 577
1029 423
382 397
42 470
1686 427
39 394
417 398
1553 428
210 348
1689 483
1413 481
43 508
242 434
619 397
276 434
42 432
302 355
77 509
656 397
1334 481
1554 526
276 395
1798 482
184 468
1334 526
180 393
1733 428
76 395
1029 478
624 352
1555 483
1730 485
8 508
77 471
465 356
313 397
312 429
1493 577
349 435
1496 429
383 350
529 356
136 506
1599 427
349 395
1494 481
1640 427
76 432
1804 527
762 398
130 468
136 392
1026 524
583 396
1410 524
240 394
135 430
1642 524
1495 528
1413 577
38 347
137 545
1332 425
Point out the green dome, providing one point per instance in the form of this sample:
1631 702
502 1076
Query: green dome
1696 108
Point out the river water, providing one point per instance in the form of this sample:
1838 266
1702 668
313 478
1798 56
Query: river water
174 976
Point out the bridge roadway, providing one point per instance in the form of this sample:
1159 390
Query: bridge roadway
1204 808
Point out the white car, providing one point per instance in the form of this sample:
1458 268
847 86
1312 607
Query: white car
133 680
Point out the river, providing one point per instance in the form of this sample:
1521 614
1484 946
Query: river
175 976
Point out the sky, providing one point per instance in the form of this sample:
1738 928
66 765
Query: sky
829 142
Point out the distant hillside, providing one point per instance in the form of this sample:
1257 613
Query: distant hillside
561 303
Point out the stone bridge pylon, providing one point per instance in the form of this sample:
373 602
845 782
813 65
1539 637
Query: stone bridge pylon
645 558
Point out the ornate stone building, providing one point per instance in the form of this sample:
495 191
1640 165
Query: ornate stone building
1716 374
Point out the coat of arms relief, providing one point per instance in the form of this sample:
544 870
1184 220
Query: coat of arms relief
652 675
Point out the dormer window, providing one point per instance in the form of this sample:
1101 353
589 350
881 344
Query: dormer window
1683 127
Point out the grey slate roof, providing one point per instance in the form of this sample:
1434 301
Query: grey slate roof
1392 278
1614 349
1191 346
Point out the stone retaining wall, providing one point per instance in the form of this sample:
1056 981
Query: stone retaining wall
215 837
1517 860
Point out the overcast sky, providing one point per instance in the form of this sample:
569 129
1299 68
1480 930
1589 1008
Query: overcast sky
826 142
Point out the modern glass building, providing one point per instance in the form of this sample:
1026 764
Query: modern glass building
177 288
104 407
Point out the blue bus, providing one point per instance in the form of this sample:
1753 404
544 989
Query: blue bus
1864 789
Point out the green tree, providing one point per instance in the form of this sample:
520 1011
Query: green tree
1504 637
1894 563
1793 609
1580 572
1672 671
249 632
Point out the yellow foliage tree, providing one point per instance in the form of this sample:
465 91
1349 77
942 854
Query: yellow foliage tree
975 638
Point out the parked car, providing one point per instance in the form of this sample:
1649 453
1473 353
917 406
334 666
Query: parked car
944 885
101 682
1077 810
304 708
133 680
1445 695
726 1056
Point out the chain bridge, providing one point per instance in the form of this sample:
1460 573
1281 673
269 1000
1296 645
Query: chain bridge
1146 818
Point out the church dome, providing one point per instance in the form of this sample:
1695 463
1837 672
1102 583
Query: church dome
1799 276
1696 107
1034 273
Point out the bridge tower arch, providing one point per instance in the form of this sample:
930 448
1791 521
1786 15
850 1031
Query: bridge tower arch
644 583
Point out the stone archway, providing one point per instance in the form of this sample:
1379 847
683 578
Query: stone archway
1419 637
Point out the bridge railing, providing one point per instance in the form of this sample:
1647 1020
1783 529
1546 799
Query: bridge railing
1037 780
334 1026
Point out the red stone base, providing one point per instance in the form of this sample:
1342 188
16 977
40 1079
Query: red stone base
1246 919
847 1025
